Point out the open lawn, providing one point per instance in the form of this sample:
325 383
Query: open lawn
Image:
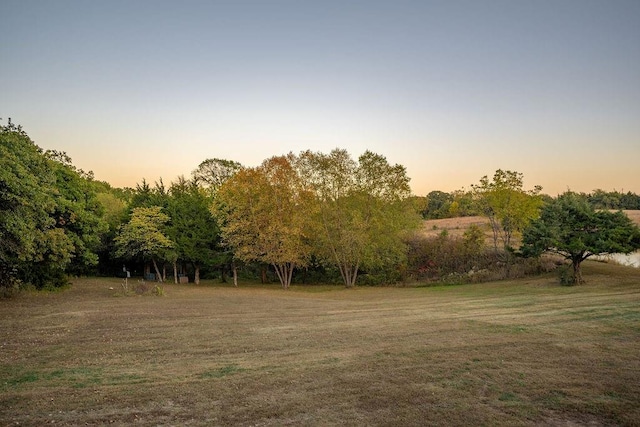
526 352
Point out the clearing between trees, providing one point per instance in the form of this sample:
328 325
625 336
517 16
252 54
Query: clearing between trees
523 352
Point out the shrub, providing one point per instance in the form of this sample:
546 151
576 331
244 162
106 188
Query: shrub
452 260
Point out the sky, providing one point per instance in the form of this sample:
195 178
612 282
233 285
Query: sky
453 90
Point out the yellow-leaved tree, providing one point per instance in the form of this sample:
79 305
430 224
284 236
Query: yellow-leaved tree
508 206
362 213
264 214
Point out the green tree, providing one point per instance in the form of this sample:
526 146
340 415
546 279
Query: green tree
212 173
507 205
143 235
115 208
50 220
438 205
78 212
462 204
192 228
571 227
24 206
362 210
265 216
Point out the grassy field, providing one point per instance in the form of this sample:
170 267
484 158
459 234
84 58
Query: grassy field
526 352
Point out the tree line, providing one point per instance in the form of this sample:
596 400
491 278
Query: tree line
323 217
440 204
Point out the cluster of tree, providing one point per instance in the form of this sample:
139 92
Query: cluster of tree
50 217
309 211
174 225
315 208
572 228
318 211
313 213
439 204
570 225
612 200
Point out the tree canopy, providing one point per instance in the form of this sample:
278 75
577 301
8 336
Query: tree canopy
144 235
328 214
571 227
192 228
212 173
265 216
50 220
362 210
507 205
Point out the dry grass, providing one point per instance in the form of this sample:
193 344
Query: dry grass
634 215
525 352
455 226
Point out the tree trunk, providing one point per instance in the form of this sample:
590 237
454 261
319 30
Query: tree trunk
349 274
164 272
577 272
235 274
175 272
354 276
223 277
155 266
284 272
196 274
494 229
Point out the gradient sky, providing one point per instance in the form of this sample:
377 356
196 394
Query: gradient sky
453 90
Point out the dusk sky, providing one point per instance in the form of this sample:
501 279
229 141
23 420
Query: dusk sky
453 90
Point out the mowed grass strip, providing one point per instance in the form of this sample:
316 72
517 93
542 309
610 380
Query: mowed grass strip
526 352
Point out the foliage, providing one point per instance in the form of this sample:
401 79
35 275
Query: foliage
212 173
265 216
456 260
143 235
463 204
146 196
192 228
571 227
50 220
438 205
362 210
507 205
600 199
78 212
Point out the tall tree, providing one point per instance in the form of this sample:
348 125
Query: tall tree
571 227
78 212
265 212
143 235
49 216
362 210
507 205
192 228
115 208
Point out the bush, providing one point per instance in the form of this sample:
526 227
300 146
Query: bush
451 260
